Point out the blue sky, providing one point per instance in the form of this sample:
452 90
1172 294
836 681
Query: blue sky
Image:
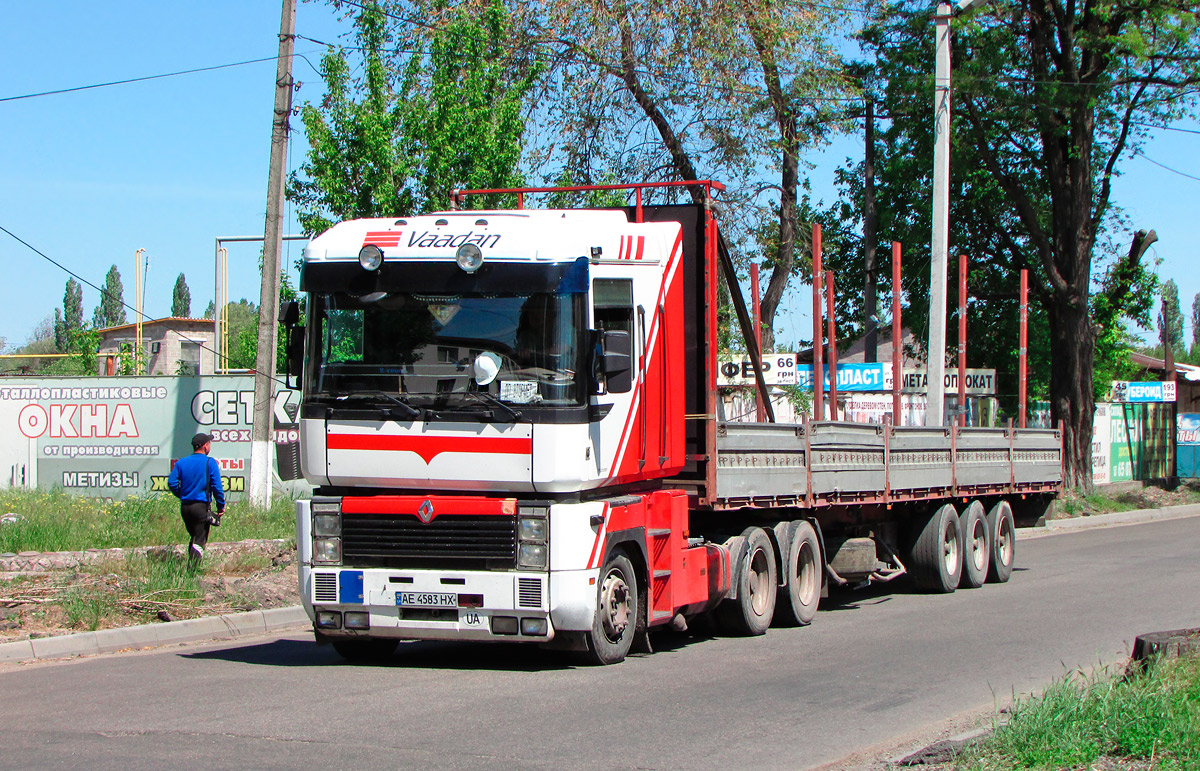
170 165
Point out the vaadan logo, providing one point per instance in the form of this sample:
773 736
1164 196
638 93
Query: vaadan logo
427 240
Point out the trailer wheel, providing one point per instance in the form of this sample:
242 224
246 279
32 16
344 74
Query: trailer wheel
977 546
615 622
937 553
1003 533
750 613
365 650
797 604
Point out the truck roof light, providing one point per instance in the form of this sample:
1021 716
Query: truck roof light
480 222
469 257
400 222
370 257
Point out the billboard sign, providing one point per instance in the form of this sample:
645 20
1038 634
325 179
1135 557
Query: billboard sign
875 376
113 437
1142 391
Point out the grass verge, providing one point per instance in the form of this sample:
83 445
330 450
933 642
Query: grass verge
55 520
1108 720
143 587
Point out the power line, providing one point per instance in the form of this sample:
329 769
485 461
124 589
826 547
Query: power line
137 80
1140 154
105 292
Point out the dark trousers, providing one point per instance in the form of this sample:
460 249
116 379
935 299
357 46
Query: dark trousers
195 518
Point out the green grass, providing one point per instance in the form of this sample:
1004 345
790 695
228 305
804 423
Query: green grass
1147 720
54 520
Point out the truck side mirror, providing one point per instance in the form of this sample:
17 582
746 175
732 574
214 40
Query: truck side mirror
618 361
289 313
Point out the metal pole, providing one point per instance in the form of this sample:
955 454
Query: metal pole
897 333
1022 355
829 301
268 306
871 339
759 409
818 364
936 350
137 311
962 340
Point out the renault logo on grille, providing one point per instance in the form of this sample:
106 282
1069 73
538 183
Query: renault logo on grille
425 512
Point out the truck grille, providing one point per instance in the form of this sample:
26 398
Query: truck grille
464 542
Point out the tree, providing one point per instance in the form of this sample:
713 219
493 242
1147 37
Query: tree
418 124
181 299
1170 319
732 89
70 320
1050 96
111 310
1195 349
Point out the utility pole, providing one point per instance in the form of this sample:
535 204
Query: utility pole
935 365
869 299
268 305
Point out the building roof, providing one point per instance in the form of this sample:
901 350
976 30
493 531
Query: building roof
163 321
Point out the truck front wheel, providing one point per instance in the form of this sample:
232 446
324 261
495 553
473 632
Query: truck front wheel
616 612
937 552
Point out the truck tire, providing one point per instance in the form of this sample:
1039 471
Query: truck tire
615 622
750 613
1003 532
977 546
797 604
937 552
365 650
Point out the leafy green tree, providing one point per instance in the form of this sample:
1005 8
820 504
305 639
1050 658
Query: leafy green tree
111 310
1170 318
736 90
1195 349
1049 97
181 299
436 110
71 317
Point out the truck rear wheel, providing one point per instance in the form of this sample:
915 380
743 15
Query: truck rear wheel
797 605
750 613
1003 532
937 552
977 546
363 650
616 616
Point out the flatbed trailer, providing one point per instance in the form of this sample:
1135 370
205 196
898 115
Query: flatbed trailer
511 418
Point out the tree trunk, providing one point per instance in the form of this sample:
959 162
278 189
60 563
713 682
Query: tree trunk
1071 390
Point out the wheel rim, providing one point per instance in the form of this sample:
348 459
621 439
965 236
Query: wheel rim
806 575
759 582
979 544
949 549
1004 542
614 598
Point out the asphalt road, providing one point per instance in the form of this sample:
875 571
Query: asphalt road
872 667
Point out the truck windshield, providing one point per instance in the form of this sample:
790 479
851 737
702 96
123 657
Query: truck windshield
428 347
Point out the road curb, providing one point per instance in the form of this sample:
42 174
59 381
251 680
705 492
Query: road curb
227 627
1115 519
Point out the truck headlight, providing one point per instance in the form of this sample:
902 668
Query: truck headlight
327 525
532 555
533 533
327 551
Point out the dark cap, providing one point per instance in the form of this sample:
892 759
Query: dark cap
199 440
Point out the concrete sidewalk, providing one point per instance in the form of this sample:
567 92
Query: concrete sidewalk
259 622
229 627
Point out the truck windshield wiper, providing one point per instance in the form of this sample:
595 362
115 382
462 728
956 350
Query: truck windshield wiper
409 410
488 398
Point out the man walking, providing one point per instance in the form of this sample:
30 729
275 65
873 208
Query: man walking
195 481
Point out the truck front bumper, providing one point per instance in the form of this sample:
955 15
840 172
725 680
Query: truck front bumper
428 605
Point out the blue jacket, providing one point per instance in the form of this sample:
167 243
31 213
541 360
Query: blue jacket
197 478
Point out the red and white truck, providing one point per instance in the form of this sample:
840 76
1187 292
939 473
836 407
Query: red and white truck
512 423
